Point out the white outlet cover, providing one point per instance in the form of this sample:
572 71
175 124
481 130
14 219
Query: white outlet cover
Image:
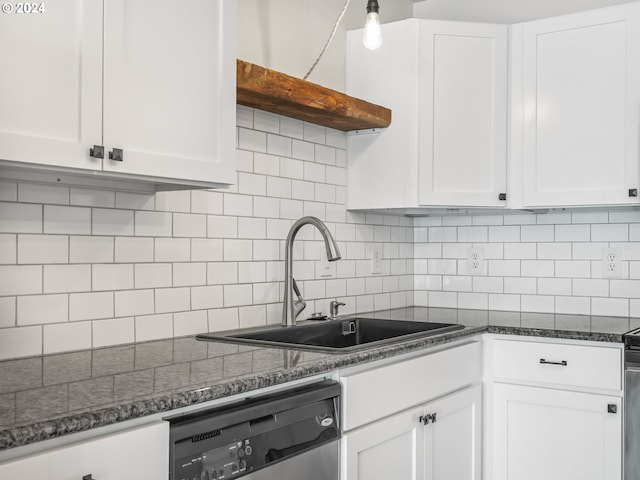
475 261
612 262
376 258
327 268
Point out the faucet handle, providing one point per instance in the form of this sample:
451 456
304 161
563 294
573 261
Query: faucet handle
334 306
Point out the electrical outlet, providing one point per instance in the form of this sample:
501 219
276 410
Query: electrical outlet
475 261
612 262
327 268
376 258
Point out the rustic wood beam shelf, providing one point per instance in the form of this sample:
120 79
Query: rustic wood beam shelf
275 92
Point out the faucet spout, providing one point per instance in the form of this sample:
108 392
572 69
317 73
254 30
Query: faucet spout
292 308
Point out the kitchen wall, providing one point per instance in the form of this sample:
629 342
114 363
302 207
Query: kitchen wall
267 29
83 268
549 263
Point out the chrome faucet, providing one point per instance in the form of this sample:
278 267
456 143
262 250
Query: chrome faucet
292 308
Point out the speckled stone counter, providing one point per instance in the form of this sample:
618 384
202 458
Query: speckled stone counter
53 395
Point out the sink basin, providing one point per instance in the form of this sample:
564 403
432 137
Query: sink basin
337 335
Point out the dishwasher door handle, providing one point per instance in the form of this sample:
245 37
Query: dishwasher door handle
562 363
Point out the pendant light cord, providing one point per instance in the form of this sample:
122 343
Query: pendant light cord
326 45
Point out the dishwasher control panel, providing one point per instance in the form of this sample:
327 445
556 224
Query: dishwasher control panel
236 440
222 462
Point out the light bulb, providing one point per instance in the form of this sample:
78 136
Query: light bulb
372 37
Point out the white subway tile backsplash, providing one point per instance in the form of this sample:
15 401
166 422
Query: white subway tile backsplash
554 286
172 300
153 275
91 197
67 278
573 268
537 233
116 331
8 249
204 201
278 145
190 323
610 233
20 342
134 302
111 222
573 233
152 224
190 261
135 201
39 249
133 249
471 234
20 280
112 277
236 295
40 309
191 226
65 337
153 327
537 303
617 307
172 250
70 220
91 249
504 234
188 274
265 121
36 193
504 302
573 305
8 191
253 140
91 306
20 218
7 312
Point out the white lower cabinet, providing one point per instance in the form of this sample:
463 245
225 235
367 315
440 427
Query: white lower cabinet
138 453
437 441
549 434
553 409
419 418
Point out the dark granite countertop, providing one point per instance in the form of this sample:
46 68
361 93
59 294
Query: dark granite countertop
53 395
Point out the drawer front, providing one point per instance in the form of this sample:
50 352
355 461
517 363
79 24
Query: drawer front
374 394
558 364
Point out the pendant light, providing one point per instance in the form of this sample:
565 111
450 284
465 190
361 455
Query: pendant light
372 37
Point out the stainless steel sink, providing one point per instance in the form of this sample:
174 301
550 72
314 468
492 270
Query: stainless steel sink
335 335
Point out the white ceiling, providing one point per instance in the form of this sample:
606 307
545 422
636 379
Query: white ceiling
501 11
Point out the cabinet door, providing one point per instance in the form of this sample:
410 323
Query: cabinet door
385 449
138 453
581 108
169 88
555 435
453 443
463 114
51 84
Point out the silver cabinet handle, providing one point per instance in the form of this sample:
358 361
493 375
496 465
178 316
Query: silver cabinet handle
117 155
97 151
562 363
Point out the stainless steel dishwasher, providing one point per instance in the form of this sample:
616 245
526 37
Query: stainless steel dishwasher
291 434
632 405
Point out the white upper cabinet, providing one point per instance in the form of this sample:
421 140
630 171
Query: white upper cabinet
51 84
576 108
446 84
153 82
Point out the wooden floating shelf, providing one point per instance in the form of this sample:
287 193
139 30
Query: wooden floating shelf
275 92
